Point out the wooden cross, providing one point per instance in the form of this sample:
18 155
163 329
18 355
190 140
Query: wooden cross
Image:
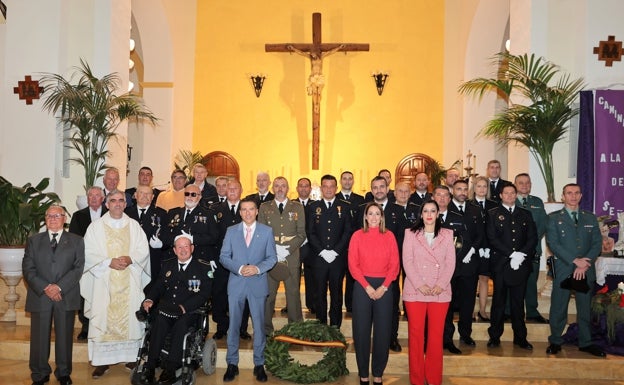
316 52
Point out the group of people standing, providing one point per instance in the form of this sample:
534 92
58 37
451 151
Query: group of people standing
444 246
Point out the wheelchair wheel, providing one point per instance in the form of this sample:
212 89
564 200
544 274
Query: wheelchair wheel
209 356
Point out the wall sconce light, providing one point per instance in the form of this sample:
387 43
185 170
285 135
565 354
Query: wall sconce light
380 80
257 81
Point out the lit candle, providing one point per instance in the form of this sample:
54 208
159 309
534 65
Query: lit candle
621 287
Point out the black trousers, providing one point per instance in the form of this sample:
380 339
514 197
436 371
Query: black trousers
311 293
178 327
329 275
463 301
40 330
371 316
516 308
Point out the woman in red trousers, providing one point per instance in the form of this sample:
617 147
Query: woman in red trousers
429 262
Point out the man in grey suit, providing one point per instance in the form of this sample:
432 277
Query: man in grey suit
52 266
248 252
287 219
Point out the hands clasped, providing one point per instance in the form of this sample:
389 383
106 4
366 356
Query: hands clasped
120 263
426 290
155 242
582 265
53 291
517 258
375 294
328 255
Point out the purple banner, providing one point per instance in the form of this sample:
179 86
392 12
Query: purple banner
609 152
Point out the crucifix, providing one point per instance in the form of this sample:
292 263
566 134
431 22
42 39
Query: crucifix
316 52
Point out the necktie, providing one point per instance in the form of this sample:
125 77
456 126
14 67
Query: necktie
574 216
281 207
382 205
329 205
141 215
493 188
347 196
181 267
188 214
441 218
262 198
482 205
524 202
54 242
461 209
422 196
510 210
222 199
303 203
248 235
233 210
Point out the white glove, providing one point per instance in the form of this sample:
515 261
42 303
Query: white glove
328 255
213 265
517 258
469 255
155 243
282 252
484 253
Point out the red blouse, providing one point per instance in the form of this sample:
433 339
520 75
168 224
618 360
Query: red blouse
373 254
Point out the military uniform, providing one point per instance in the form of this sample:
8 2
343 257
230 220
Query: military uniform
418 200
329 229
508 232
174 287
288 230
152 221
569 240
200 224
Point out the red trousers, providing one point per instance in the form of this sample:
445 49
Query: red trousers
426 366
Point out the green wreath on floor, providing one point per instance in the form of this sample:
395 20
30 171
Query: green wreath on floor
309 333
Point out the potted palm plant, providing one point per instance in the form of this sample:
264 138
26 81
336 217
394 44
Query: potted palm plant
22 214
540 116
90 110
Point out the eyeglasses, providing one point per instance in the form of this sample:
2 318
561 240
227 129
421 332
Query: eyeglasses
193 194
55 216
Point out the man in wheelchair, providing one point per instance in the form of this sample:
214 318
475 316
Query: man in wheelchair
182 287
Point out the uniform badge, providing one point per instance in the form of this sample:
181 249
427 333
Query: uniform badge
318 211
501 217
339 208
175 221
219 215
167 274
193 285
292 216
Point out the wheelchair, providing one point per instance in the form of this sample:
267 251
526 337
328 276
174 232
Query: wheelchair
197 350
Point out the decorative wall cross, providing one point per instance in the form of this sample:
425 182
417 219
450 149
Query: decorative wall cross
28 89
316 51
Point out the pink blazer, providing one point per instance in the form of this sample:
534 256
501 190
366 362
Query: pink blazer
428 265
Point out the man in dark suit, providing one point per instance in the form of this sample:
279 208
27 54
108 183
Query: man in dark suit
182 287
329 231
466 275
151 219
196 220
421 192
52 267
78 225
304 188
209 193
145 179
387 175
263 182
248 253
512 236
355 200
227 214
574 237
496 182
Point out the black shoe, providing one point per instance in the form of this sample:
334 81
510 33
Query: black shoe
245 336
219 334
537 319
553 349
452 348
230 373
493 343
130 366
594 350
99 371
482 318
167 377
284 310
395 346
82 336
523 344
467 341
147 377
260 374
65 380
42 381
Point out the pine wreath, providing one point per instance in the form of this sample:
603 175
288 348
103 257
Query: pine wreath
333 364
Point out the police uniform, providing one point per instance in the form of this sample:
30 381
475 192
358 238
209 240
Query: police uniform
200 223
508 232
189 288
305 255
329 229
152 221
288 230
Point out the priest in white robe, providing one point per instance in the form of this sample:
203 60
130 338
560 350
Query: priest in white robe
117 268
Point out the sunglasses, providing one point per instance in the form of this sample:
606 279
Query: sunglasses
192 194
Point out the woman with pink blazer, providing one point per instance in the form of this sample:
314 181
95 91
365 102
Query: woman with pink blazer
429 262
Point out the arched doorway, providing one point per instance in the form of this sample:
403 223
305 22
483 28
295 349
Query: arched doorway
411 165
220 163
